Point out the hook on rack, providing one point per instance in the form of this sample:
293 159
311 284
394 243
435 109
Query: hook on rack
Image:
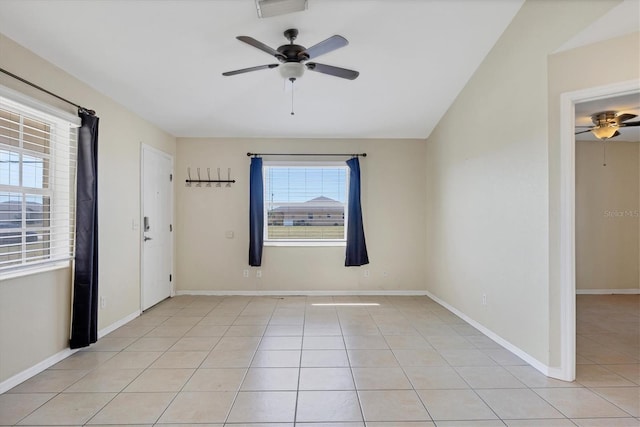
199 184
228 178
188 184
209 177
218 181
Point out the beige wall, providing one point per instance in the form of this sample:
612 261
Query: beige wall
569 71
393 202
487 182
607 206
121 133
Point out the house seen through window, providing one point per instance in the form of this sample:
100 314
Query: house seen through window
305 202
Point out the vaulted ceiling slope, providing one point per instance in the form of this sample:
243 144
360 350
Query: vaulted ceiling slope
163 60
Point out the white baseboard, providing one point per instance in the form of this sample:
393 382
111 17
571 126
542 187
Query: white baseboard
112 327
13 381
546 370
303 293
608 291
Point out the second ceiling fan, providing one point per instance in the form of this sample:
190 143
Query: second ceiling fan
293 58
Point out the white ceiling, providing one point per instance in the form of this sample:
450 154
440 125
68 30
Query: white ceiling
622 104
164 59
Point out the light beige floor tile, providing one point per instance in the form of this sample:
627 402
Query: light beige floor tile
450 342
471 423
50 381
467 358
372 358
228 379
484 343
358 424
180 320
263 407
180 359
129 330
14 407
326 379
207 330
280 343
148 320
217 320
283 331
276 359
245 331
628 371
401 424
392 405
84 360
599 376
160 380
198 407
518 404
419 357
111 344
324 359
68 409
531 377
505 357
275 379
361 330
323 330
105 380
489 377
456 405
328 406
134 408
365 342
152 344
131 360
540 423
381 379
195 344
435 377
404 342
626 398
607 422
237 343
244 320
323 343
163 331
228 359
579 403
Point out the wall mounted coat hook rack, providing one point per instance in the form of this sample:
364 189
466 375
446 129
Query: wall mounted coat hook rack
208 181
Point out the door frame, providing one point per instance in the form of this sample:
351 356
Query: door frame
143 148
568 100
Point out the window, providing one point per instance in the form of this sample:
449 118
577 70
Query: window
305 203
37 176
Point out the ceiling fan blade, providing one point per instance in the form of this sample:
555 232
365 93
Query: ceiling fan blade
582 131
325 46
615 134
259 45
630 124
626 116
246 70
333 71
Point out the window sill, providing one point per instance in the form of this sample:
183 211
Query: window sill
15 274
307 243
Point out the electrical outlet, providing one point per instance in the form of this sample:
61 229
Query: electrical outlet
245 273
367 273
484 299
259 274
103 302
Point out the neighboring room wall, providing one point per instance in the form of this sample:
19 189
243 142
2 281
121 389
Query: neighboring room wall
570 71
393 199
607 216
39 304
487 182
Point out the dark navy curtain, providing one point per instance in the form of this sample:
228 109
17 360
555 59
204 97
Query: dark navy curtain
84 323
356 253
256 213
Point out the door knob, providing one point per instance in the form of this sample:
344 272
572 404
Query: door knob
147 238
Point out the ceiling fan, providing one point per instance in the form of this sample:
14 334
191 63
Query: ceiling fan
293 58
607 124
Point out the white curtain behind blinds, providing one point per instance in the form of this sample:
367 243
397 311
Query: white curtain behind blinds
37 183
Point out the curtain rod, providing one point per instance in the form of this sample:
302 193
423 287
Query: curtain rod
307 154
40 88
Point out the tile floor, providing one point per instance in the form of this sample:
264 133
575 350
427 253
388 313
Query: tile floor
284 362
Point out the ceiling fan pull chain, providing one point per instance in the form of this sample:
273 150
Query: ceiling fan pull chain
604 154
292 81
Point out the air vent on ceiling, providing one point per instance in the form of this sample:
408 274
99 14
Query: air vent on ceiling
269 8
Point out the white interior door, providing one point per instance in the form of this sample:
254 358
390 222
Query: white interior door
156 226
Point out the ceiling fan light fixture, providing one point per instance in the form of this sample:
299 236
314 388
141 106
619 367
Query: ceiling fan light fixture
291 70
269 8
605 132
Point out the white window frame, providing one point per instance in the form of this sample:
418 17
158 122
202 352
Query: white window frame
61 184
320 164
